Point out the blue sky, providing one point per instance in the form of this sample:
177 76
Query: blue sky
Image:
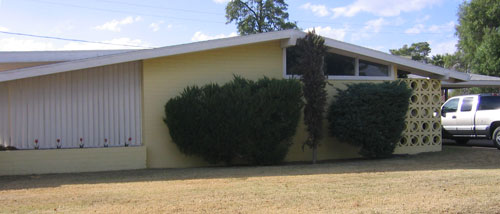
376 24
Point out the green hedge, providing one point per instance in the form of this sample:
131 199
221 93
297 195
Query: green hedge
241 121
371 116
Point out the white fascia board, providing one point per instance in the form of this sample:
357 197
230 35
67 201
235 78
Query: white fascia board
431 69
292 40
53 56
145 54
471 83
483 77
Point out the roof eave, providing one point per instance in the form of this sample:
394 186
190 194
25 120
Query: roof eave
431 70
147 54
469 84
53 56
287 37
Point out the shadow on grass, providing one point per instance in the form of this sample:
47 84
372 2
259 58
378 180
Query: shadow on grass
452 157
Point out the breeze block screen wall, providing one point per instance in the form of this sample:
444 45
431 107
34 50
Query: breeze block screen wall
423 120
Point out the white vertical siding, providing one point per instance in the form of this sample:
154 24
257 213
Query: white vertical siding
4 115
94 105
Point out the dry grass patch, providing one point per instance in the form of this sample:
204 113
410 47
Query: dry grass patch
457 180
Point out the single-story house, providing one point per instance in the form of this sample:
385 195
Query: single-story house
75 111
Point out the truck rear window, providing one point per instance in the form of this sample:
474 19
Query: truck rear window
489 103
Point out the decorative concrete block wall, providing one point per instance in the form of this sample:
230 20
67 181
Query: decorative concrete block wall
423 120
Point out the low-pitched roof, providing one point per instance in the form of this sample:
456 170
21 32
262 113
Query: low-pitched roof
287 38
53 56
476 80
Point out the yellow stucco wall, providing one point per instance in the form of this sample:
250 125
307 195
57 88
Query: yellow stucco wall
166 77
19 162
330 148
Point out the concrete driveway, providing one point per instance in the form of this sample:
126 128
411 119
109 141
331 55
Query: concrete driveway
474 143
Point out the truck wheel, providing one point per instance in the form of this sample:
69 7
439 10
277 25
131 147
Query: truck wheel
461 141
496 137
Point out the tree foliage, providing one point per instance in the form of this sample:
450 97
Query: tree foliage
240 121
455 61
258 16
420 52
478 31
437 60
371 116
310 52
416 51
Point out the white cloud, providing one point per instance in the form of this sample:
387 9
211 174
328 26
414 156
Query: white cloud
371 28
382 7
63 27
199 36
334 33
115 25
443 47
3 28
423 19
418 28
421 28
317 9
95 46
14 44
221 1
398 21
155 26
450 26
375 25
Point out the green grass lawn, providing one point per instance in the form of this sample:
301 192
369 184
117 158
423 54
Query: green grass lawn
457 180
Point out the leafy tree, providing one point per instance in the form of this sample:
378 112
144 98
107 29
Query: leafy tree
478 31
455 61
258 16
310 52
437 60
417 51
486 59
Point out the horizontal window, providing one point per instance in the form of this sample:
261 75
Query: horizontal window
339 66
372 69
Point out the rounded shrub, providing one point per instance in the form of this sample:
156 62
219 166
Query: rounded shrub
241 121
371 116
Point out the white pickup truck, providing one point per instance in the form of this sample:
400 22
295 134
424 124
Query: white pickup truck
472 116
